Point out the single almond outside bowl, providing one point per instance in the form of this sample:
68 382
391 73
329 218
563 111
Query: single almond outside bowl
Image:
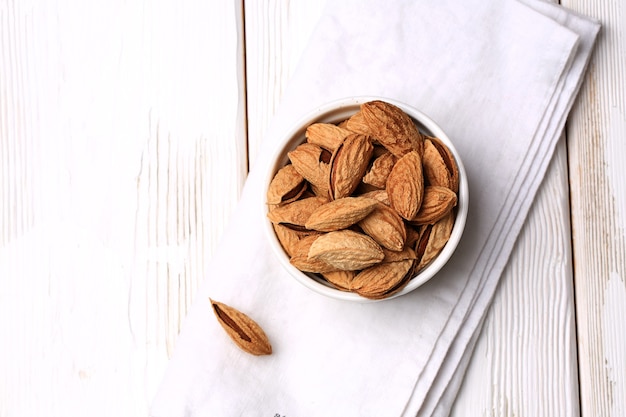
335 112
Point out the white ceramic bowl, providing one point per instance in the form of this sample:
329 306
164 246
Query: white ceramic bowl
335 112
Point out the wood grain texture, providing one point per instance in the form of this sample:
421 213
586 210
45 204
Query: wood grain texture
277 32
122 154
597 153
524 363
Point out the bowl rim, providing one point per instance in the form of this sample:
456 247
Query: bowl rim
350 105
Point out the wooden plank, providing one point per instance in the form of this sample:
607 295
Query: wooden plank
524 309
276 34
122 154
524 363
597 153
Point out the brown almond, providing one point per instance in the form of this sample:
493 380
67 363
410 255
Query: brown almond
340 214
380 280
308 160
306 264
340 279
297 212
244 331
385 226
434 240
450 162
300 257
380 169
437 202
435 170
287 237
302 247
403 255
357 124
392 127
346 250
286 186
348 165
405 185
378 195
326 135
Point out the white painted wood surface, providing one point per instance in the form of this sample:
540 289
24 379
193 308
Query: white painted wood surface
122 155
597 154
123 148
525 363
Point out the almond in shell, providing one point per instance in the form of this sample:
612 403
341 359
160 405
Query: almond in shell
340 279
242 330
437 202
405 185
295 213
311 161
348 165
449 161
326 135
435 170
287 237
392 127
340 214
357 124
380 169
286 186
404 254
346 250
378 195
301 260
433 240
386 227
380 280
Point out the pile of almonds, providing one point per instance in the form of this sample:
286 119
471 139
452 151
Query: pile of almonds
366 203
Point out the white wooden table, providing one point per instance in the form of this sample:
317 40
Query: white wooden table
126 132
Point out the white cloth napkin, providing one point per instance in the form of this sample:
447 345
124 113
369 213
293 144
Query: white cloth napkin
499 76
